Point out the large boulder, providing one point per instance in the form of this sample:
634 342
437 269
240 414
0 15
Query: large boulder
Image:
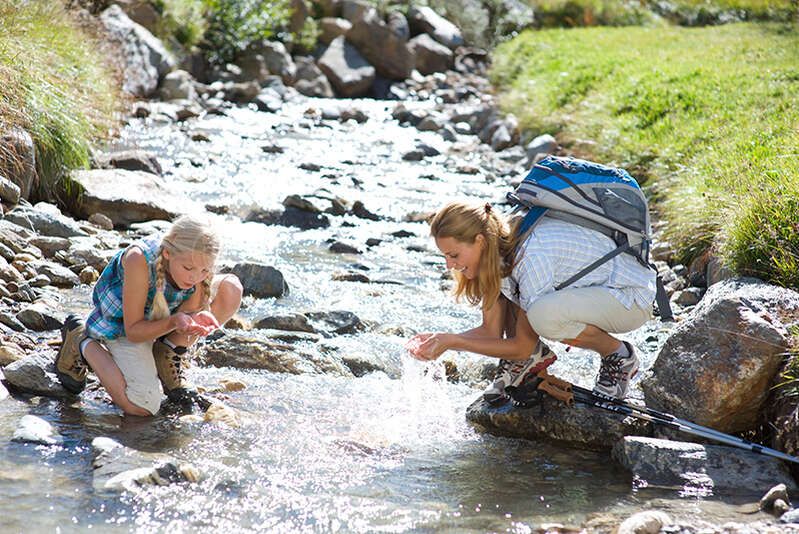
252 352
145 61
260 280
718 365
311 81
389 53
349 73
18 161
277 59
35 374
123 196
577 426
425 20
330 28
431 56
130 160
703 468
47 222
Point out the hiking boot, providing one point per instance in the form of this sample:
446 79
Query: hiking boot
615 373
169 364
70 367
510 374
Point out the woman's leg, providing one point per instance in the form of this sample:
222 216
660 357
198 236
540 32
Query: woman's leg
110 376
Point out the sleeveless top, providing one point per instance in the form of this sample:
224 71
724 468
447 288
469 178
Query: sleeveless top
105 321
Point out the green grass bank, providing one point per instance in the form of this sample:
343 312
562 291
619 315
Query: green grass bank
54 85
708 117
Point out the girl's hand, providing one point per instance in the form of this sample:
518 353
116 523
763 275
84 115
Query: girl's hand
429 346
207 320
186 325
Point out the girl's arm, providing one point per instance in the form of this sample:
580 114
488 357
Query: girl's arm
135 285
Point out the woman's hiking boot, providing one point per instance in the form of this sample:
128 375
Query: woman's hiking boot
510 374
70 367
170 366
616 371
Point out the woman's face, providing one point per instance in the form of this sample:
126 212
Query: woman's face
187 269
462 257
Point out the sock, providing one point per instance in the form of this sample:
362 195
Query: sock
622 350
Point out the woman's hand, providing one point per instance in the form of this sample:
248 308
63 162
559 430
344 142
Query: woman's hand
427 347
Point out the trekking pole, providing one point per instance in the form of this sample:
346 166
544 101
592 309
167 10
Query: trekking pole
595 399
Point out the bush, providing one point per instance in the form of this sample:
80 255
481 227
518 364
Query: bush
55 85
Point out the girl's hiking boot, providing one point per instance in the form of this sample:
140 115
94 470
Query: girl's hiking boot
510 374
70 367
170 366
616 371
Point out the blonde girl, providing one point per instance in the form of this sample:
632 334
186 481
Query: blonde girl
151 302
506 274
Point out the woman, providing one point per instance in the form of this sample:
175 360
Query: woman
505 273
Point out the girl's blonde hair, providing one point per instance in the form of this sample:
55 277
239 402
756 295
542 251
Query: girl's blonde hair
464 222
187 234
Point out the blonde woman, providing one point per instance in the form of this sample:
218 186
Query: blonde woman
151 302
505 273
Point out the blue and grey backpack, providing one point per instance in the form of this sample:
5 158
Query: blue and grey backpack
605 199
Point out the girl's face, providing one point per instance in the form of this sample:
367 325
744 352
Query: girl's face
462 257
187 269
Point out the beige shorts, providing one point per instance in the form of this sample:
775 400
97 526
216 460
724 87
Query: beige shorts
564 314
135 360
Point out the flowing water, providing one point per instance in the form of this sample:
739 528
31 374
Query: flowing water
384 452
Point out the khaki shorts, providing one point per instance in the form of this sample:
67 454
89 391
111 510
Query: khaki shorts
564 314
135 360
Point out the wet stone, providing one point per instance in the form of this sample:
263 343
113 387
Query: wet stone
360 211
335 322
35 373
295 322
32 429
260 280
39 317
350 276
339 247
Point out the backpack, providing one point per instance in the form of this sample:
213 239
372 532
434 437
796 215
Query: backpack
602 198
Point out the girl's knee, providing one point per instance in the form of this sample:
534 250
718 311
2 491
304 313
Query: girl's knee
230 290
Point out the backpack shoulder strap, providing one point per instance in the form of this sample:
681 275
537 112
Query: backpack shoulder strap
585 270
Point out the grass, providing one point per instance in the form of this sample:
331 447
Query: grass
55 86
708 115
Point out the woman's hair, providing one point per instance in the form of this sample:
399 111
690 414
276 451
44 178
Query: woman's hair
187 234
464 222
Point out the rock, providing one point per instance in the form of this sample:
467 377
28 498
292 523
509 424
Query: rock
413 155
249 352
791 516
510 17
9 191
778 492
688 297
350 276
577 426
253 67
59 276
118 468
339 247
45 223
714 468
354 10
647 522
35 374
3 391
294 322
301 203
18 162
124 196
101 221
177 85
270 101
38 317
145 60
425 20
331 28
260 280
540 147
88 275
360 211
291 216
311 81
277 59
130 160
431 56
362 364
718 364
398 24
242 92
501 138
289 337
50 245
338 322
32 429
430 124
349 73
10 352
388 53
328 8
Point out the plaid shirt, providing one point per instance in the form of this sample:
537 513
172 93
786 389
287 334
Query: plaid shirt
105 320
555 250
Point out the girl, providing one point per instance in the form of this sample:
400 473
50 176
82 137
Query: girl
151 302
506 273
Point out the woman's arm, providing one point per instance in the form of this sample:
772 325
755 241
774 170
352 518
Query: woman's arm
135 286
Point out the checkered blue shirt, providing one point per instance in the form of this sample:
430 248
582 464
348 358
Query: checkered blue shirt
556 250
105 321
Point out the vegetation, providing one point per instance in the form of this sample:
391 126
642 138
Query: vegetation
55 86
716 130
